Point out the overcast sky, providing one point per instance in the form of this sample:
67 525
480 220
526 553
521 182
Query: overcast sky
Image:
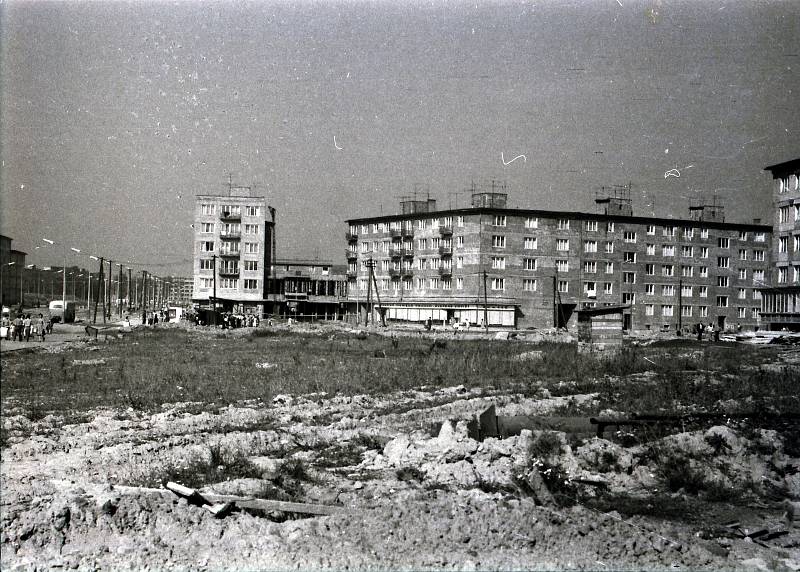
114 115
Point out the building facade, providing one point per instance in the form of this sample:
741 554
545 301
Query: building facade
12 264
307 290
781 301
534 268
231 234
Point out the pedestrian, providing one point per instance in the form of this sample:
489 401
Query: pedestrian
716 332
16 331
26 324
699 331
42 326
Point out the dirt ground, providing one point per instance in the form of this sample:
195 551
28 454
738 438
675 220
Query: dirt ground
422 494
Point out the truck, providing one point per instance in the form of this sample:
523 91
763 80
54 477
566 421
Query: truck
61 311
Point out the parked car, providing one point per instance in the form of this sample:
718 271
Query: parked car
61 312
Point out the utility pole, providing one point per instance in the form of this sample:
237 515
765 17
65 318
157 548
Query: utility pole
214 307
107 301
680 306
99 292
371 265
129 289
119 293
144 297
485 302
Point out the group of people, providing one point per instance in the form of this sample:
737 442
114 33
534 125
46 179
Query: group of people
25 326
230 320
711 330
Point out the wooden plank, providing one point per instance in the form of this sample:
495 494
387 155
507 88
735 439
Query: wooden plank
283 506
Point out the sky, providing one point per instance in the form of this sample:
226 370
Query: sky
114 115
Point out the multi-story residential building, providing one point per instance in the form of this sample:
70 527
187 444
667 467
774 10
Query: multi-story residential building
533 268
307 289
231 234
781 302
12 263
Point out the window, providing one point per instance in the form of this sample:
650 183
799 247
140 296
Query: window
562 244
563 224
650 269
629 257
532 222
529 263
233 210
722 301
563 286
796 274
420 283
421 226
628 298
686 311
591 225
782 273
208 209
530 243
590 246
629 236
783 214
783 244
760 237
686 291
723 242
667 290
459 242
758 255
499 262
206 283
702 311
629 277
433 283
742 254
609 227
723 282
704 272
459 283
703 291
756 295
668 250
447 284
741 312
206 264
755 313
649 289
649 309
251 248
666 310
498 283
742 293
703 252
251 229
688 232
529 284
590 267
651 229
229 283
743 235
609 268
723 262
422 243
797 243
687 271
251 211
668 270
207 246
460 262
650 249
498 241
499 220
743 274
562 265
207 227
250 284
608 288
590 289
687 251
609 247
703 233
669 231
251 265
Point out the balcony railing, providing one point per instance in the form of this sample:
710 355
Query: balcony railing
445 271
230 235
351 236
351 274
446 250
393 272
407 272
445 230
228 271
229 254
396 252
395 233
408 253
407 232
351 254
230 215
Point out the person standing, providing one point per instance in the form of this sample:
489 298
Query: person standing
42 326
26 324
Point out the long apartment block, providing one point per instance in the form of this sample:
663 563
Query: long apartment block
533 268
230 254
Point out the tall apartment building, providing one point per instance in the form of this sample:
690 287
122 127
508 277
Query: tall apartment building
534 268
781 302
231 234
12 263
306 289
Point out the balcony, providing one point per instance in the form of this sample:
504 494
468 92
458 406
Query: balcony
351 274
351 236
394 272
446 230
408 253
229 254
230 235
445 271
407 272
446 250
230 216
395 233
351 254
396 252
407 232
229 272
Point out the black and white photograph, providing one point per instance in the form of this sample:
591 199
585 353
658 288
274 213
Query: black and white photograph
400 285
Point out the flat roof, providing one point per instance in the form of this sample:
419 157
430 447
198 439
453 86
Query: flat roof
785 166
568 214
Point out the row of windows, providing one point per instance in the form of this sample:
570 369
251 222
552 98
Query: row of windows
788 183
229 283
783 274
229 247
211 209
249 265
229 228
668 310
783 244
